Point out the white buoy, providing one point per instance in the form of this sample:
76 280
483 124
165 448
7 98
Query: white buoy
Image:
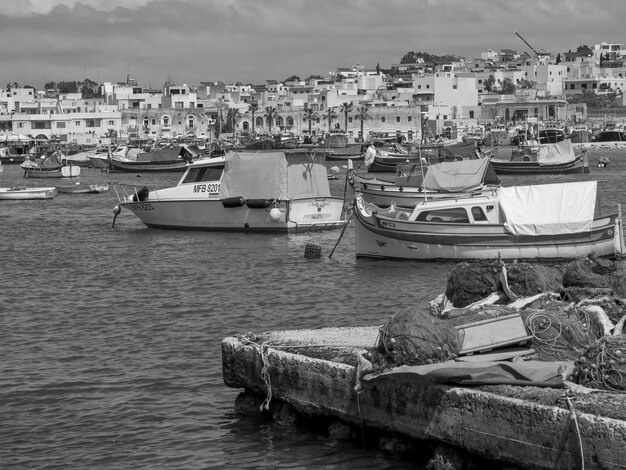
275 214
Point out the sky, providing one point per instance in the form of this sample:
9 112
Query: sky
190 41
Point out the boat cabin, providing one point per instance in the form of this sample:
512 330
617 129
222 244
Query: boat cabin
468 209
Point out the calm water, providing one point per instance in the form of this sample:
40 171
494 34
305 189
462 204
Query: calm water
110 337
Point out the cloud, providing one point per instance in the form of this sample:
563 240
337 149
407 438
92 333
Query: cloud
254 40
43 7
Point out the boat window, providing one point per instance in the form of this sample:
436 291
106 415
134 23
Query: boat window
203 174
456 215
478 214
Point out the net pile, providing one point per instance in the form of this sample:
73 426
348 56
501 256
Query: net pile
470 282
603 364
557 336
414 337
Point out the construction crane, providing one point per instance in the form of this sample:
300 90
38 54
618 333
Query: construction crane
526 42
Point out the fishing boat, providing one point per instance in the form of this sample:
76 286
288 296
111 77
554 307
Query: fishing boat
23 192
463 178
49 166
83 189
388 160
158 160
242 191
536 222
559 157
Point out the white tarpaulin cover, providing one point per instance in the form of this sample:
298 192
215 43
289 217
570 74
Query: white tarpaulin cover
552 154
548 209
462 175
274 175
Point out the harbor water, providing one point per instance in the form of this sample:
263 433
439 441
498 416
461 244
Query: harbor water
110 336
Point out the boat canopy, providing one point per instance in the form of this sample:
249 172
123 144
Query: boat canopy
274 175
553 154
463 175
549 209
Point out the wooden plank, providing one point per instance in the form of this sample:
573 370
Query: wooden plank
504 354
486 335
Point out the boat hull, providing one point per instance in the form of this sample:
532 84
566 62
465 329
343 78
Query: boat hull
90 189
26 193
533 167
42 172
298 215
386 237
99 162
141 167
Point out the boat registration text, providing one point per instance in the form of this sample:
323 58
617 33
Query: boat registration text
142 206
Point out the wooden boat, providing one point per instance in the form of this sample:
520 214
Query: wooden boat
538 222
49 166
613 135
83 189
23 192
243 191
540 159
464 178
387 161
159 160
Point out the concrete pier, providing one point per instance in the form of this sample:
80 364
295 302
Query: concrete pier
536 428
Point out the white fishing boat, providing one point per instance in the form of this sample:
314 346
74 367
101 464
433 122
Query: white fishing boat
463 178
248 191
537 222
23 192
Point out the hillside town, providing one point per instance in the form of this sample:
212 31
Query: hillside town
453 95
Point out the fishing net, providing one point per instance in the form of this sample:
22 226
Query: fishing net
557 336
470 282
603 364
414 337
587 276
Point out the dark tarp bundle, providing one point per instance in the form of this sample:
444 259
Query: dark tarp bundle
529 373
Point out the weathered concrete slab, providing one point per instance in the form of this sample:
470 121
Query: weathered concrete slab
526 426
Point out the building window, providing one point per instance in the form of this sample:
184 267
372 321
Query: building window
77 123
154 122
471 114
60 125
409 119
191 122
397 118
382 119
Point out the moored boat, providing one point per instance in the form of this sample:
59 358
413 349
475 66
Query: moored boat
242 191
83 189
23 192
537 222
50 166
174 159
464 178
540 159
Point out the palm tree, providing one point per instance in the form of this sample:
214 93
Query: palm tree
345 109
254 107
271 113
330 115
232 118
310 115
362 115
